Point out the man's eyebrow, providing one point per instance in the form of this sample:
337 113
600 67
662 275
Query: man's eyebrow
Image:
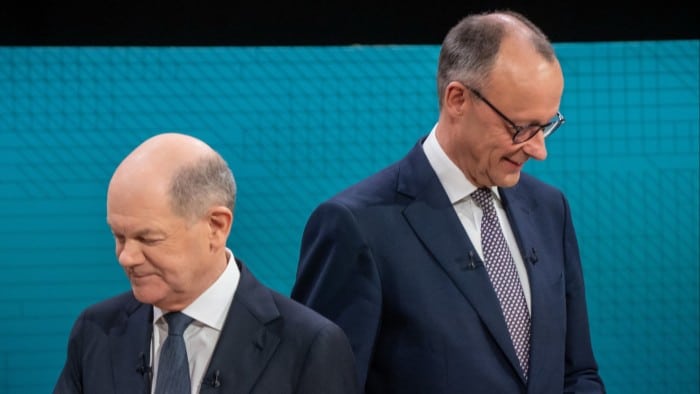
140 233
148 232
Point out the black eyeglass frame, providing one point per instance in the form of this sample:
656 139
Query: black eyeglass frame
523 133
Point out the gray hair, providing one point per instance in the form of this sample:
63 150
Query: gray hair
469 50
199 186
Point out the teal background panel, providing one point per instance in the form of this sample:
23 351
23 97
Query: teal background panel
297 124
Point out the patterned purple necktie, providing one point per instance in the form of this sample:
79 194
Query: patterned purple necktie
504 277
173 369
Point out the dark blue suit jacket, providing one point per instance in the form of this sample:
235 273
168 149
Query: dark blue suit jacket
269 344
389 261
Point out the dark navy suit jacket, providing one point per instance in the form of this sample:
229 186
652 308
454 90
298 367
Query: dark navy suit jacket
269 344
389 261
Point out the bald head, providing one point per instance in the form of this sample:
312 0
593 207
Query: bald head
471 49
183 170
170 208
162 154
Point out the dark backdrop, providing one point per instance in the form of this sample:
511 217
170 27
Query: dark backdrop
265 22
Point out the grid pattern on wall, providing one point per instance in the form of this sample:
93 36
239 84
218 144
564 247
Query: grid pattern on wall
297 124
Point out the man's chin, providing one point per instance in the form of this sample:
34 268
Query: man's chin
510 180
146 295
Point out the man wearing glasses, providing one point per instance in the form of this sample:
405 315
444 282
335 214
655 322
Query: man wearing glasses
452 271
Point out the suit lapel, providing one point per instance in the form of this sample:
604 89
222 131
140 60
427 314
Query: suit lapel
129 348
433 218
522 208
451 251
248 339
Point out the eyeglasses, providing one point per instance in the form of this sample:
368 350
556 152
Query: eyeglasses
524 133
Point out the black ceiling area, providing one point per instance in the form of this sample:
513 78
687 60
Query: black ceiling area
347 22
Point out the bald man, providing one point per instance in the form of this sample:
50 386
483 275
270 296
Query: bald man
451 271
170 206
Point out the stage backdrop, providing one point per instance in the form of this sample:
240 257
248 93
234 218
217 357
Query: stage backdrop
297 124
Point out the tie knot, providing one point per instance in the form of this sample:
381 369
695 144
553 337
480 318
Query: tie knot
483 198
177 322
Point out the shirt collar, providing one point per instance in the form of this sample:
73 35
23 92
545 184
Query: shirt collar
456 184
212 306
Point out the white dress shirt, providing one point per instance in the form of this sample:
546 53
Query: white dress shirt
459 189
209 312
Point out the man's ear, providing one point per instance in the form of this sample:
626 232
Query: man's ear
455 98
220 220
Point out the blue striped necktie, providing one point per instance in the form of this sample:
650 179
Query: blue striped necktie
173 368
